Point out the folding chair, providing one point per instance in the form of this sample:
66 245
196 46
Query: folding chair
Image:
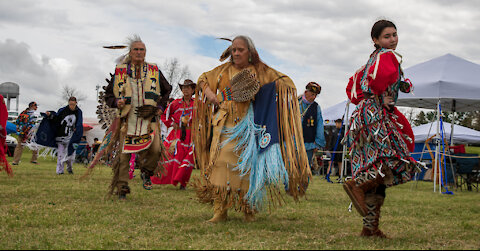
466 173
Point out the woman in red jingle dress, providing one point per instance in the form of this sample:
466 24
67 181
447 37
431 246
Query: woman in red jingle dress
379 136
179 143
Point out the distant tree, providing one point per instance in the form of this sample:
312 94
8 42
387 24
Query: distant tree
175 73
420 119
69 91
467 119
409 115
476 120
471 120
431 116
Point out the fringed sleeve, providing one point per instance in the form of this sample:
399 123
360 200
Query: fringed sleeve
291 138
203 114
202 125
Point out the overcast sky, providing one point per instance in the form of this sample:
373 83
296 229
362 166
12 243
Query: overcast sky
47 44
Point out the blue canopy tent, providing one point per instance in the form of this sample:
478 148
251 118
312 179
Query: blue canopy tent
337 111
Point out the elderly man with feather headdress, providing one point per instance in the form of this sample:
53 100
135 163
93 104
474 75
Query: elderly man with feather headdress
140 92
248 137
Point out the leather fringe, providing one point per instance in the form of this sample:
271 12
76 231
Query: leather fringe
291 142
208 193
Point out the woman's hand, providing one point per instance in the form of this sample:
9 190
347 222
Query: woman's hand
212 97
388 102
120 103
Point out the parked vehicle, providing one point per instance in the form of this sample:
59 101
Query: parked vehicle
12 116
11 144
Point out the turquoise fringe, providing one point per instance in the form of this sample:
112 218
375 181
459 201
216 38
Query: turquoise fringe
265 169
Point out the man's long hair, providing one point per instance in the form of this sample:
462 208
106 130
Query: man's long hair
125 59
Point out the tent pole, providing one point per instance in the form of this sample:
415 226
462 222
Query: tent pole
347 122
437 148
454 108
454 104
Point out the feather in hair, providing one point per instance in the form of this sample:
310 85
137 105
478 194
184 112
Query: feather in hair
224 38
228 52
114 47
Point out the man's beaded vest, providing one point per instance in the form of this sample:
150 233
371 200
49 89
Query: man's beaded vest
122 86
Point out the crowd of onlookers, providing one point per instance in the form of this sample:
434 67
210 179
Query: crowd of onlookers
84 152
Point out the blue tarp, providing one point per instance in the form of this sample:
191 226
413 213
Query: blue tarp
417 153
11 128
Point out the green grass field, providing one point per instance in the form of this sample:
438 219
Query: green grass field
41 210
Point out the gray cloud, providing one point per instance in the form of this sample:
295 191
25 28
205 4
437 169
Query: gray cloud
18 65
324 41
32 13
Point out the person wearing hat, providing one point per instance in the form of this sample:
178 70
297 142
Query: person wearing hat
179 143
25 122
312 121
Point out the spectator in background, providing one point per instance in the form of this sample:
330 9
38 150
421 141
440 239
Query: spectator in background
82 151
335 147
25 122
95 146
312 121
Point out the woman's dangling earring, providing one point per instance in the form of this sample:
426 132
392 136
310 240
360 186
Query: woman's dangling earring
249 59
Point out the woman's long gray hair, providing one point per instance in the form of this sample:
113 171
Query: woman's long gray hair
254 58
125 59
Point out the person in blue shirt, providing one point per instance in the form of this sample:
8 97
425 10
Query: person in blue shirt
82 150
312 120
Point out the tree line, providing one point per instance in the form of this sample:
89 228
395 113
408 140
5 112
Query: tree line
467 119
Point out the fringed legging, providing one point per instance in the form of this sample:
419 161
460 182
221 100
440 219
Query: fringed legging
374 200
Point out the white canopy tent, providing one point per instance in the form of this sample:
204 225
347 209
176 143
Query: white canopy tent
447 82
453 81
337 111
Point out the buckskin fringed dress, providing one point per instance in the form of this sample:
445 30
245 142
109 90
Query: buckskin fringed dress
380 139
233 169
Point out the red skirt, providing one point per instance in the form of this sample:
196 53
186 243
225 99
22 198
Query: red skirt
180 165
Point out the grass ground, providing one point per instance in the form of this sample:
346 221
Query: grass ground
41 210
